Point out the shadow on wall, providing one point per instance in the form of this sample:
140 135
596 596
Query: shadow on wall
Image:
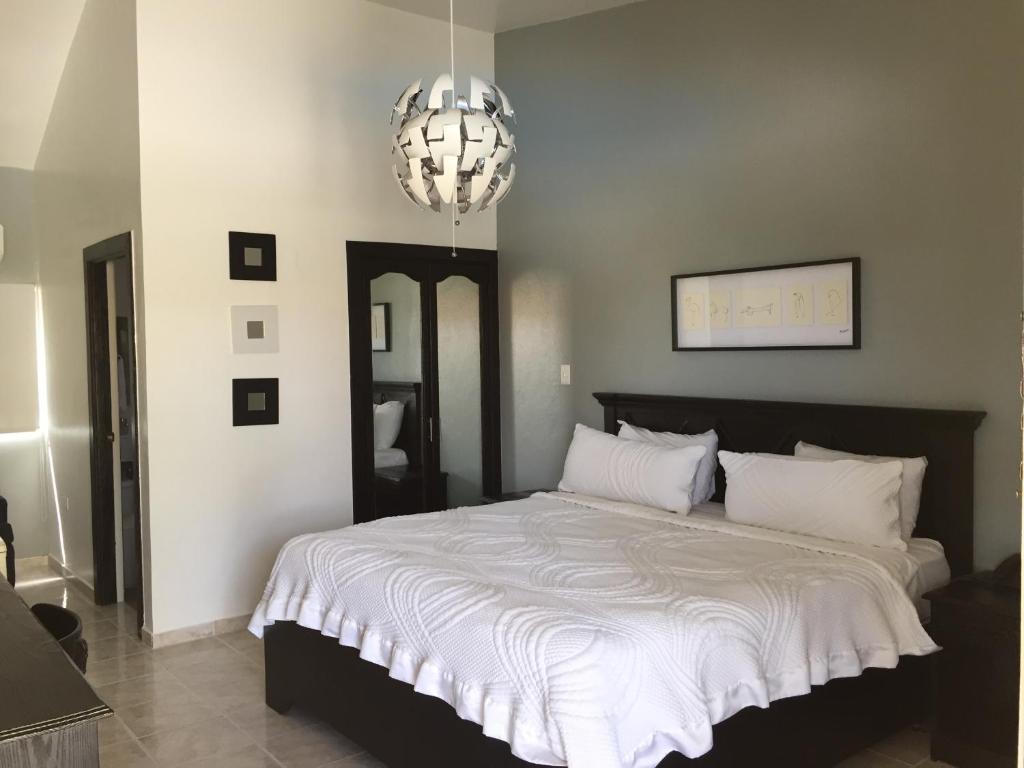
20 264
536 338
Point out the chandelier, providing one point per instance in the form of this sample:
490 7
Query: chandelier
454 151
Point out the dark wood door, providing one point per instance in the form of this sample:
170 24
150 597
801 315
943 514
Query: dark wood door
105 429
428 265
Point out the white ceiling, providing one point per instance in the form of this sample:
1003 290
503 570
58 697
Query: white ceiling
503 15
35 37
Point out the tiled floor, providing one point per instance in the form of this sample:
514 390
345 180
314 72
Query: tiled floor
200 704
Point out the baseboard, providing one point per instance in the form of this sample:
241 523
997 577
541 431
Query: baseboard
196 632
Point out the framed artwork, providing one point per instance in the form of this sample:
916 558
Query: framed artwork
252 256
254 401
810 305
254 329
380 327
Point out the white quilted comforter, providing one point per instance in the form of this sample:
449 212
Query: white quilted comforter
593 633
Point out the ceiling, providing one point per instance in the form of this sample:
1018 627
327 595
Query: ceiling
35 37
503 15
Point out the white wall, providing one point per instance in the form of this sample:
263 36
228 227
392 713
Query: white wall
86 189
20 444
19 394
259 117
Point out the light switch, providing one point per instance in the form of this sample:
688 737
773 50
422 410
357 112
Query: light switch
566 374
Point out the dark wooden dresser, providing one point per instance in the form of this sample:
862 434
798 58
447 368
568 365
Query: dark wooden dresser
48 712
399 491
976 620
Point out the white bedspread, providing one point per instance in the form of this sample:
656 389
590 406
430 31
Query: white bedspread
593 633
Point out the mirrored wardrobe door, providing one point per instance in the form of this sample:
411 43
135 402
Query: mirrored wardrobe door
397 390
459 422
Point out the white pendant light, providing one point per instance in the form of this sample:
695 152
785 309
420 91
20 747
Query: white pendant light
454 152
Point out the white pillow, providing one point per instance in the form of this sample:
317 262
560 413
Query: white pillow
704 487
610 467
845 500
910 492
387 423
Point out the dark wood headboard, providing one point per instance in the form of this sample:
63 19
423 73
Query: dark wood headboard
410 436
946 438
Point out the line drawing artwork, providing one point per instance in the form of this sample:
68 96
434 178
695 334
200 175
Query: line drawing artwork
720 310
832 303
750 311
693 312
757 307
799 306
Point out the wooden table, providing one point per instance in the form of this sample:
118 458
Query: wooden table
48 712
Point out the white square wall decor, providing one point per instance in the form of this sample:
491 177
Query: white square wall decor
254 329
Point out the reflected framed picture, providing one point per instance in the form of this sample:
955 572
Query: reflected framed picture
254 329
252 256
808 305
380 327
254 401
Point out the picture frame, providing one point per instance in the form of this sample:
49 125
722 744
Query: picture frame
254 402
254 329
252 256
380 327
803 305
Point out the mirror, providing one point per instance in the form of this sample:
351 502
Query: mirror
458 388
395 338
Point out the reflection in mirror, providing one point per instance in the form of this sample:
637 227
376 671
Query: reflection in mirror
396 332
458 382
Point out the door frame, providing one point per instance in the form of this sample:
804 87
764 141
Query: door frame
101 458
367 260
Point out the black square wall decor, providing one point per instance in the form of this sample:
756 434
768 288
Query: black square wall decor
252 256
254 401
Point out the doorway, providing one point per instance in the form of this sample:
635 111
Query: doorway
114 419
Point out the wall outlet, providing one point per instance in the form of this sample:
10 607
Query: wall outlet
565 375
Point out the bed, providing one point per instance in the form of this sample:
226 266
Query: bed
815 728
407 450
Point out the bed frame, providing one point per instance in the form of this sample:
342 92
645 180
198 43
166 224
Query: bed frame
409 730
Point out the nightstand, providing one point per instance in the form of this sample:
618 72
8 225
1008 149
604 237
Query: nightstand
976 620
512 496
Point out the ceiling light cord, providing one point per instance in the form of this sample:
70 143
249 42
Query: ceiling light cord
455 103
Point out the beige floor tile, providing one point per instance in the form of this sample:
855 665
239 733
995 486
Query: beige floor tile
122 668
243 640
311 747
124 754
249 757
112 647
112 730
255 656
100 630
191 648
165 713
263 723
224 686
138 690
218 655
911 745
202 740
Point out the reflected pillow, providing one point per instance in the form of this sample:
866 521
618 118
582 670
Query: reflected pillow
844 500
610 467
387 423
910 492
704 487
